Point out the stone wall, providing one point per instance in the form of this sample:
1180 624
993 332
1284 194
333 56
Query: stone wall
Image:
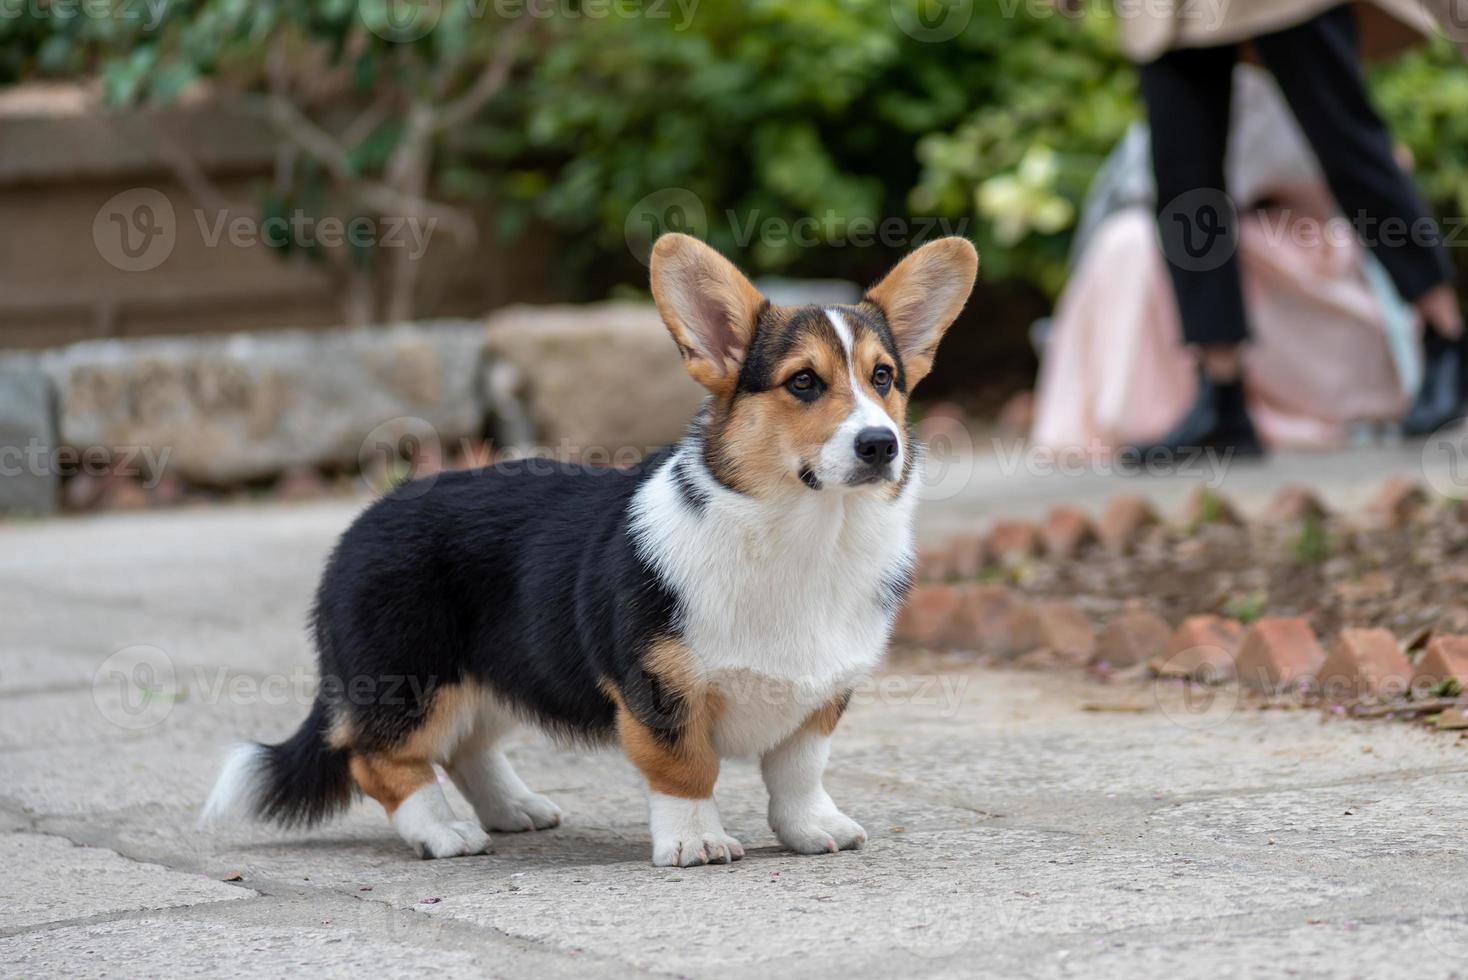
238 408
600 382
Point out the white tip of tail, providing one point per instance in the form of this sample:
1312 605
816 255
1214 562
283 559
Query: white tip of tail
238 788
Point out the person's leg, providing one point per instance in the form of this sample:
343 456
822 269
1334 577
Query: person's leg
1319 71
1188 94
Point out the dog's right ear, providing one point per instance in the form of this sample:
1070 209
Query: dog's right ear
708 307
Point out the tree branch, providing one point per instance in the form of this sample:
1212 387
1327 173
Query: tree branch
491 78
321 146
367 122
188 173
328 151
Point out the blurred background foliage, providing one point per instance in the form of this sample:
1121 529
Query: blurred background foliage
766 111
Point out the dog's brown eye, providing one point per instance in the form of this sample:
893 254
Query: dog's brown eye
882 376
805 385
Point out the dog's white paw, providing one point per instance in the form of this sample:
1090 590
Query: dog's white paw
528 812
427 823
689 832
688 851
446 840
823 831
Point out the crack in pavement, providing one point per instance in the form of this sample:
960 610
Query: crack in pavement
471 935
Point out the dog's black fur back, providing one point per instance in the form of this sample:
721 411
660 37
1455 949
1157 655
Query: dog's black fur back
519 576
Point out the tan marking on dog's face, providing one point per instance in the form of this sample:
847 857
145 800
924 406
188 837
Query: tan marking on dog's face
871 354
760 441
767 435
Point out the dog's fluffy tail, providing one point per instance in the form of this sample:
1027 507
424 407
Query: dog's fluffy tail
299 782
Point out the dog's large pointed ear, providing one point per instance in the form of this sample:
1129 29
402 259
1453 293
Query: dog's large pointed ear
922 297
708 307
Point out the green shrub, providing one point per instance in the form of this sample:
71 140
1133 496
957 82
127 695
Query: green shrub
770 112
761 112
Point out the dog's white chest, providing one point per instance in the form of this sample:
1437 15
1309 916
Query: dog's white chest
782 607
757 712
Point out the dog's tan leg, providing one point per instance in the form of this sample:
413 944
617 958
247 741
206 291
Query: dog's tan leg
408 790
681 767
802 813
403 780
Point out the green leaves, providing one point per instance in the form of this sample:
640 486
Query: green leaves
125 79
767 112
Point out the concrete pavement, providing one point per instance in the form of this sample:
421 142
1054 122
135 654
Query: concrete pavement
1015 829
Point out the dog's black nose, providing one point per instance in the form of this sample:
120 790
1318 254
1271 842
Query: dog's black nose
876 446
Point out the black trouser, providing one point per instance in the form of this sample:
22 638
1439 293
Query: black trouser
1188 91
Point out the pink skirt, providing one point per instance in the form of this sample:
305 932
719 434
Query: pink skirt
1115 371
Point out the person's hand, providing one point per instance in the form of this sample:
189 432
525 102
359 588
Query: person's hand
1439 309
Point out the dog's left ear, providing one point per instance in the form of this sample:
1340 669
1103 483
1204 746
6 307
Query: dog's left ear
707 305
922 297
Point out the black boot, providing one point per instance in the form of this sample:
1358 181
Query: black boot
1218 420
1440 399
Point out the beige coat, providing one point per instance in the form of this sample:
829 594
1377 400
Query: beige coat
1151 27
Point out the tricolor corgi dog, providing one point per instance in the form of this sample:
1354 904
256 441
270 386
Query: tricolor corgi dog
718 600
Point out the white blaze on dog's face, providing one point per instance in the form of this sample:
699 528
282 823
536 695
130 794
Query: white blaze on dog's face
808 395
